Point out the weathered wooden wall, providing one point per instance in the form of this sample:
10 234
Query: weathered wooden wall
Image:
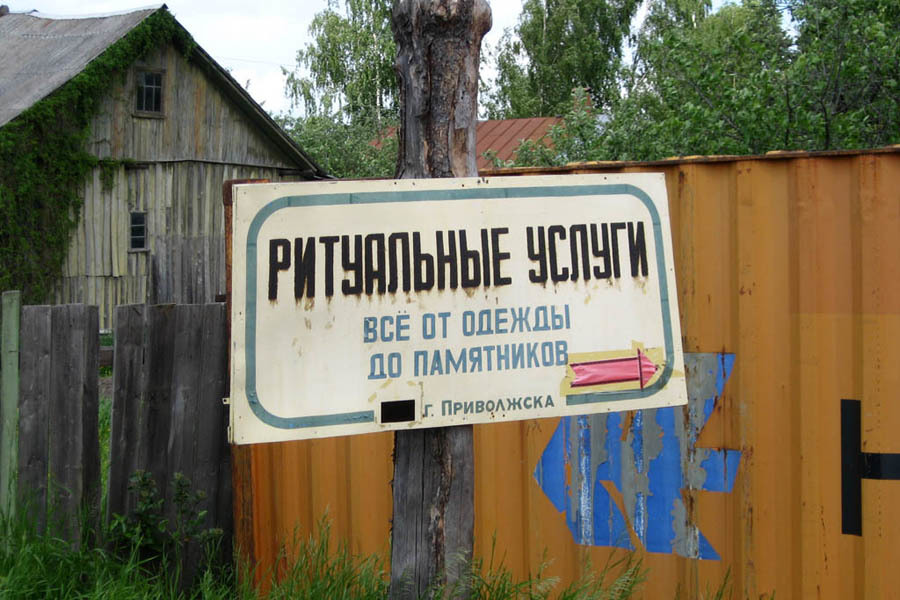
175 168
788 269
185 259
201 123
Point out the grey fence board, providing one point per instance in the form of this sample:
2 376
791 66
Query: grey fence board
170 373
141 409
185 383
58 449
213 467
170 419
9 386
128 365
34 406
90 425
157 381
74 455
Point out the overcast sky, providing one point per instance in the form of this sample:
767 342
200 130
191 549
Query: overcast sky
252 39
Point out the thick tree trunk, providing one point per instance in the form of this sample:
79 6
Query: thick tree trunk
438 49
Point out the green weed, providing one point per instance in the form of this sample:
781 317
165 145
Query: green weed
34 565
104 425
312 569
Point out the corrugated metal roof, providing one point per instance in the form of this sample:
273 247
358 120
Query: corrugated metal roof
504 136
39 53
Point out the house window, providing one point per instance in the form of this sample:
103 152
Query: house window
138 235
149 92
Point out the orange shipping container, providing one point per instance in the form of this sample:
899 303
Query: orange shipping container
788 272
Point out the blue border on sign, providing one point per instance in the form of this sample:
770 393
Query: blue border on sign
368 416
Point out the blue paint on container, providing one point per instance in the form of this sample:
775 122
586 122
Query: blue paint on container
549 476
591 513
706 551
665 485
721 469
726 365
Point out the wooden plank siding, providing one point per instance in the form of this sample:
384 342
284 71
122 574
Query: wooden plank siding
791 264
200 122
174 173
184 262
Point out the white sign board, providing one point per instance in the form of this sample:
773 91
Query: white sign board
373 305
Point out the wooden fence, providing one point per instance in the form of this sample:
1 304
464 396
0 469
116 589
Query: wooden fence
50 440
167 412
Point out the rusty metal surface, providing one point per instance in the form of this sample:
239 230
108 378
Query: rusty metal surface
788 266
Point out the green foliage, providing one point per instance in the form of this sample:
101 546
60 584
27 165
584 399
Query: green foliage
845 76
347 72
36 565
557 46
157 540
723 591
104 422
354 149
619 579
314 569
704 85
44 161
345 83
43 566
40 565
738 81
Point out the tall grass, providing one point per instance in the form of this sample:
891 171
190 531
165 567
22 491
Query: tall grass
34 565
104 424
132 559
618 579
313 568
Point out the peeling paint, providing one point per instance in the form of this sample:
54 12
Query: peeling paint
654 463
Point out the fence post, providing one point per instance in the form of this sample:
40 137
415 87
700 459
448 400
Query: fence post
9 398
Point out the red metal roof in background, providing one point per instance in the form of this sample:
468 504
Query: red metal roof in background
501 135
504 136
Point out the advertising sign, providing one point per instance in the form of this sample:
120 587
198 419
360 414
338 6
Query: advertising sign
373 305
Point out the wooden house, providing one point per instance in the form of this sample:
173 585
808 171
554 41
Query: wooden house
173 127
